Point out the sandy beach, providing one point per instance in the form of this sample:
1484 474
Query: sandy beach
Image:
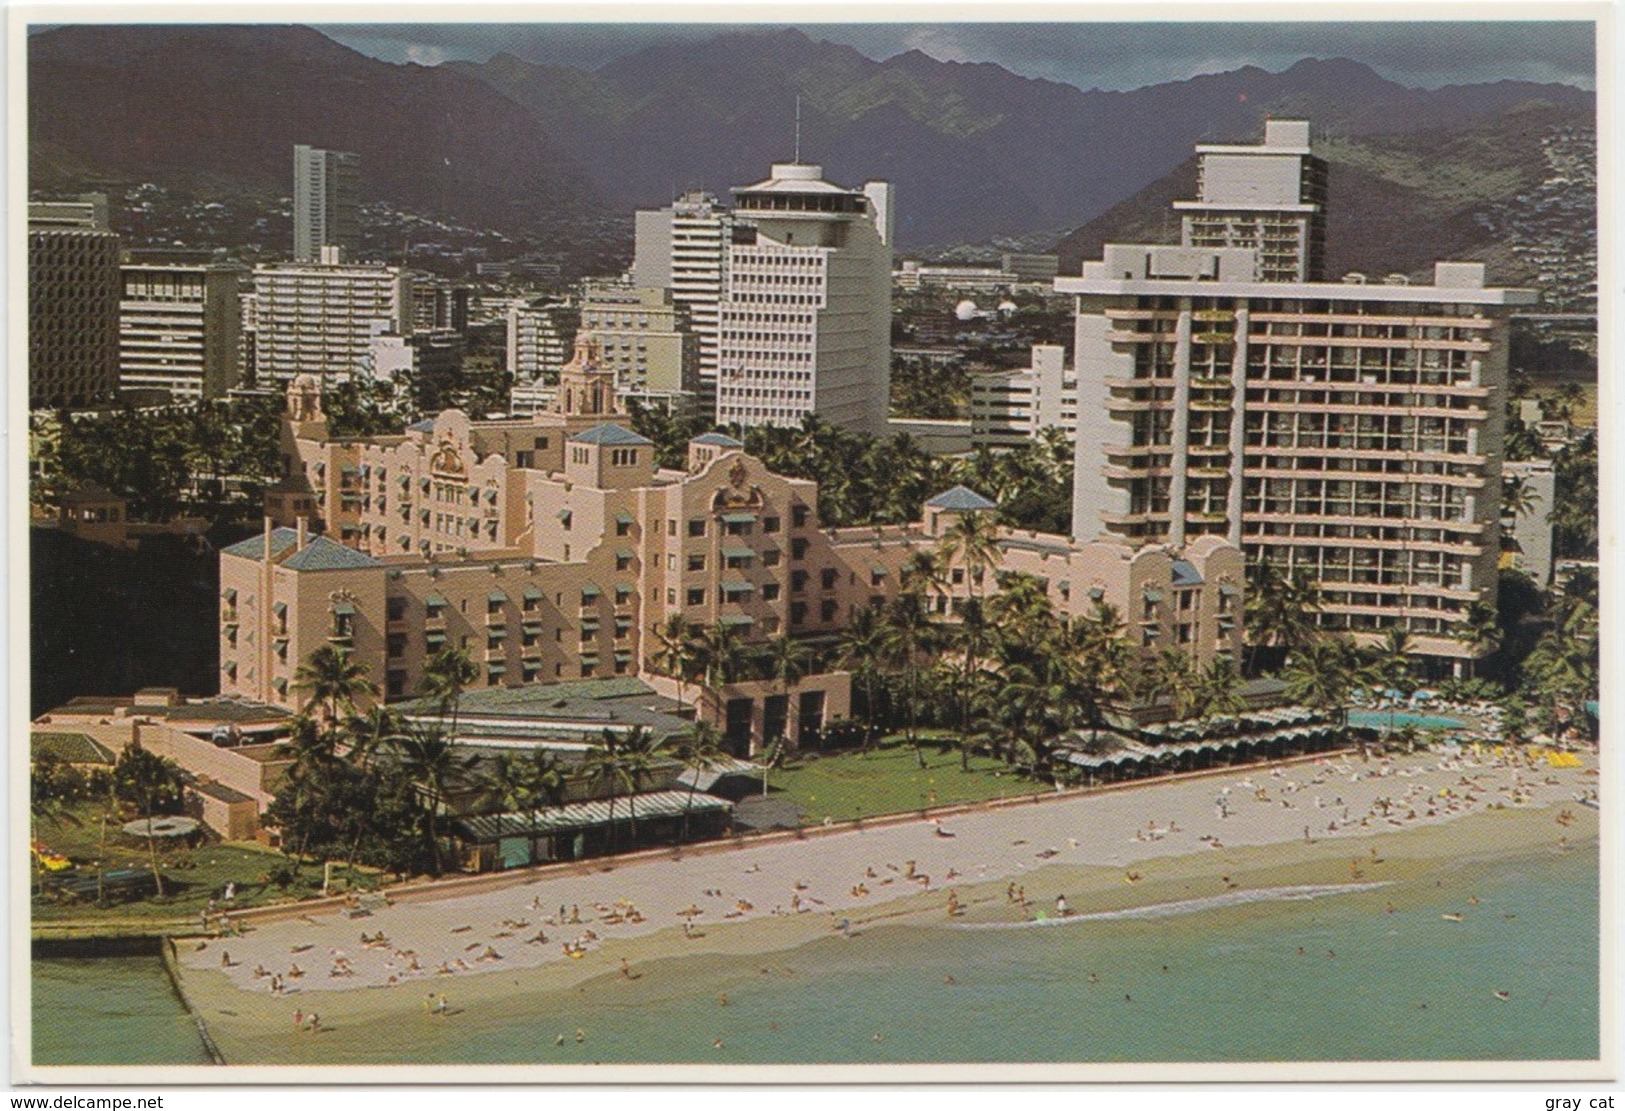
1336 821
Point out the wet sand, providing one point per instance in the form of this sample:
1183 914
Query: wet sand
1103 852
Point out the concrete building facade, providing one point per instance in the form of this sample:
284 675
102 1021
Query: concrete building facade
180 329
320 318
326 203
73 304
1351 430
643 335
1270 197
1527 531
684 249
805 322
541 334
1008 408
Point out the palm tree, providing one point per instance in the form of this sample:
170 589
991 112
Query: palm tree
788 662
433 764
909 634
605 766
676 653
642 751
1280 611
334 681
1395 667
700 751
1480 631
1096 660
972 541
1218 689
1518 497
862 651
1323 675
447 674
507 782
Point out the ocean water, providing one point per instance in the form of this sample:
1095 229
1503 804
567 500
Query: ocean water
110 1011
1306 974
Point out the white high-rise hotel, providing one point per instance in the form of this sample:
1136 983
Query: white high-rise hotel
805 325
684 249
1349 429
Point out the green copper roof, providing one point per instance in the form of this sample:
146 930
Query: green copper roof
322 554
960 499
611 434
254 547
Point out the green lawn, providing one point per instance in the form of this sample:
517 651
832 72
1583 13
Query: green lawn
890 781
191 876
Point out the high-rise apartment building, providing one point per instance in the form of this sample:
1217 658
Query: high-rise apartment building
684 249
439 304
644 337
1009 408
180 329
805 321
320 318
1350 430
541 333
1270 197
326 202
73 304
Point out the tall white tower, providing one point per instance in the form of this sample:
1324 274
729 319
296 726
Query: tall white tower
684 249
805 321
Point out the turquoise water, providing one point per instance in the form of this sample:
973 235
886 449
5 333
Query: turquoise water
1367 985
1381 719
110 1011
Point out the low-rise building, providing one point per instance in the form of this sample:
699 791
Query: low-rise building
1009 408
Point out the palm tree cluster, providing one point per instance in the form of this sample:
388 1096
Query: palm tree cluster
866 480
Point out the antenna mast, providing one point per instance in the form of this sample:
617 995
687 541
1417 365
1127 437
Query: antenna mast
798 129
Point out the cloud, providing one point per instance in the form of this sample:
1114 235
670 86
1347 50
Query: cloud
939 43
424 54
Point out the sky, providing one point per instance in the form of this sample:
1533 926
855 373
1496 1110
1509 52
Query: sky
1114 56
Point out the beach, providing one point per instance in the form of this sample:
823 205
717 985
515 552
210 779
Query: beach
1333 828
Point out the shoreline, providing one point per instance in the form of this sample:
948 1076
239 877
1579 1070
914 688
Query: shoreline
249 1022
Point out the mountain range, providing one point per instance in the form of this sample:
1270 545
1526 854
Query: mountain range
974 150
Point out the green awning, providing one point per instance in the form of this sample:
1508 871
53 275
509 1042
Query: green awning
736 619
623 518
496 596
532 594
496 632
739 518
1229 589
590 591
623 653
623 553
344 609
496 668
563 514
434 601
877 570
1153 595
280 608
738 553
737 587
434 638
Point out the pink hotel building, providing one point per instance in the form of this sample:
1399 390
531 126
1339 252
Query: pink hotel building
549 547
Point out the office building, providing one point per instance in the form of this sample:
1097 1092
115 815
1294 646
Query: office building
541 334
805 322
1009 408
73 304
326 203
320 318
1527 528
1270 197
438 304
684 249
644 337
1350 430
180 329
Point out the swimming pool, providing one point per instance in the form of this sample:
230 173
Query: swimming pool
1381 719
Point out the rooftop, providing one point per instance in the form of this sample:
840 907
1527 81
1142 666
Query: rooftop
254 547
70 748
960 499
322 554
717 439
611 434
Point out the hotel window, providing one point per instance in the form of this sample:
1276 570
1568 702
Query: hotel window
770 524
798 581
696 597
696 563
623 526
396 645
395 684
770 592
798 613
696 526
798 548
827 609
827 577
798 516
770 558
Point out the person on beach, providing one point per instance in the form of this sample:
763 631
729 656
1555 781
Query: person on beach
428 1003
1061 907
298 1020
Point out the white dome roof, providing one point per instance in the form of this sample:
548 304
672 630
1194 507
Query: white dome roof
966 310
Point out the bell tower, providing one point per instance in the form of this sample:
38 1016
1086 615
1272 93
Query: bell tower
586 385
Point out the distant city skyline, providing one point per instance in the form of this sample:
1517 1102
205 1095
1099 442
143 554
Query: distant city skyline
1110 56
